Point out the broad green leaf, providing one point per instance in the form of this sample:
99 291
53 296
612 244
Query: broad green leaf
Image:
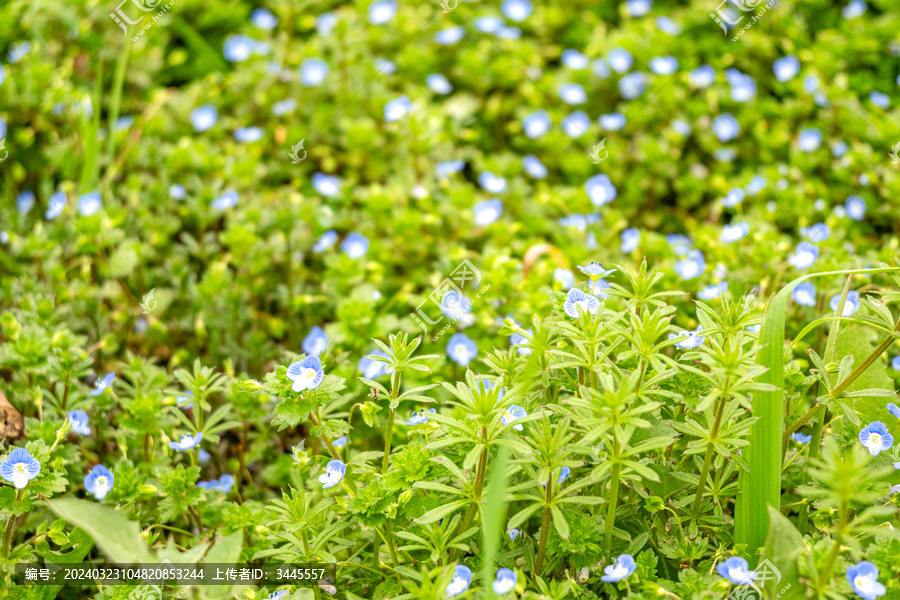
116 536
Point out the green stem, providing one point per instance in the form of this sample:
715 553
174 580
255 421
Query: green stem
814 445
884 345
545 527
814 411
479 486
388 434
835 548
708 459
613 500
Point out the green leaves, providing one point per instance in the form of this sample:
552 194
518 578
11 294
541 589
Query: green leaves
116 536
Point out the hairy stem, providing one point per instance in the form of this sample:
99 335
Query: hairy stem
388 434
708 459
825 575
613 500
545 527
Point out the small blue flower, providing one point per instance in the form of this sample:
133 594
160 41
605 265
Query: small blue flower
632 85
102 383
487 211
631 239
619 570
679 243
664 65
893 409
340 442
263 18
734 197
396 109
315 341
444 170
184 400
895 363
601 68
563 475
248 135
204 117
854 9
536 124
2 75
801 438
227 200
19 468
534 167
810 84
325 23
855 207
810 140
703 76
726 127
880 100
875 437
455 304
89 203
565 277
355 245
756 185
572 94
805 256
734 232
694 339
187 442
573 59
600 189
786 68
25 202
816 233
325 241
851 305
736 570
420 417
79 422
754 328
177 192
313 72
516 10
577 302
667 25
17 52
620 60
238 48
278 595
713 291
449 36
55 206
804 294
382 11
283 107
595 270
743 86
334 473
517 338
612 122
372 369
839 148
222 484
863 578
513 534
505 581
513 412
576 124
491 183
462 577
99 481
461 349
691 266
307 374
438 84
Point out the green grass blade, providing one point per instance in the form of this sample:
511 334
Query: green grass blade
492 527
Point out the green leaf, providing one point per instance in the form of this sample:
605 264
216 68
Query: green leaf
783 547
116 536
861 343
226 551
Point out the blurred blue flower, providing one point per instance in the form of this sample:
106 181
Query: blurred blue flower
734 232
79 422
786 68
632 85
563 475
576 124
417 418
184 400
513 534
396 109
101 384
385 66
187 442
204 117
372 369
810 140
238 48
851 305
263 18
703 76
600 68
880 100
177 191
679 243
516 339
382 11
89 203
631 239
620 60
325 241
505 581
694 339
600 190
227 200
512 413
315 341
839 148
613 121
801 438
875 438
55 205
855 207
536 124
893 409
664 65
572 94
313 71
17 52
461 349
340 442
248 134
334 473
2 74
99 481
283 107
756 185
25 202
222 484
492 183
863 576
19 468
736 570
449 36
619 570
573 59
681 127
355 245
726 127
577 300
565 277
713 291
325 23
666 25
489 24
516 10
445 169
854 8
804 294
734 197
810 84
462 577
326 185
743 86
691 266
307 374
438 84
638 8
487 211
534 167
805 255
816 233
895 363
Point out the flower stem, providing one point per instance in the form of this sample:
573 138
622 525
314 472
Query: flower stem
613 499
388 434
545 528
708 459
825 575
479 486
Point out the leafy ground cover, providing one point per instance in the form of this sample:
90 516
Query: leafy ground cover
473 300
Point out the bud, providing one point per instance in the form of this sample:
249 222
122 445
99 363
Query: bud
832 367
147 489
250 385
405 496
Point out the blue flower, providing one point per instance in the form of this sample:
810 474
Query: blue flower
513 412
449 36
756 185
565 277
227 200
99 481
517 338
222 484
17 52
184 400
505 581
734 197
667 25
854 8
102 383
805 255
534 167
278 595
516 10
801 438
893 409
455 304
283 107
810 140
743 87
248 134
895 363
488 211
855 207
204 117
810 84
79 421
462 577
638 8
573 59
620 60
313 72
382 11
839 148
2 75
595 270
726 127
55 205
691 266
355 245
325 241
601 68
494 184
19 468
786 68
89 203
420 417
713 291
600 190
694 339
703 76
619 570
444 170
563 475
461 349
238 48
578 303
681 127
851 305
804 294
863 578
315 341
754 328
816 233
664 65
736 570
734 232
631 239
612 122
536 124
325 23
307 374
334 473
263 18
880 100
340 442
576 124
632 85
25 202
513 534
875 437
187 442
438 84
396 109
372 369
572 94
680 244
177 191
